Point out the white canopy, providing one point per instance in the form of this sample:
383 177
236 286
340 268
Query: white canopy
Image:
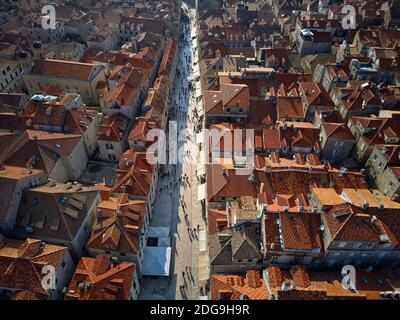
156 261
201 192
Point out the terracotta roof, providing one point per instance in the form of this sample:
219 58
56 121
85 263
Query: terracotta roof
113 128
118 225
271 139
100 279
351 179
156 102
63 69
315 94
224 182
303 284
261 113
217 221
230 95
41 149
300 231
100 36
77 121
6 139
54 210
271 232
133 180
290 108
350 223
148 25
338 131
140 129
329 115
288 203
236 287
299 134
21 264
28 295
137 159
358 97
129 82
9 184
167 58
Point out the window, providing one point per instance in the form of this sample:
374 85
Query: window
109 146
380 164
111 157
63 264
339 143
228 110
357 245
342 244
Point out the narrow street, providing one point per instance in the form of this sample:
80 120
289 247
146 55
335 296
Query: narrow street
176 205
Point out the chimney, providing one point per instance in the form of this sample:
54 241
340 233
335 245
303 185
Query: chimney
104 192
365 205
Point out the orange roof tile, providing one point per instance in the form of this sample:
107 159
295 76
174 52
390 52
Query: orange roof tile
100 279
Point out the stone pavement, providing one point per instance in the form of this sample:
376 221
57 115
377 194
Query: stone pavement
179 182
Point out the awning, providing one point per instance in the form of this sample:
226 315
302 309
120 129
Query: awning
201 170
201 192
156 261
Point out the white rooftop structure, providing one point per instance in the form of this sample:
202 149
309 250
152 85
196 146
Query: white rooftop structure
156 261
